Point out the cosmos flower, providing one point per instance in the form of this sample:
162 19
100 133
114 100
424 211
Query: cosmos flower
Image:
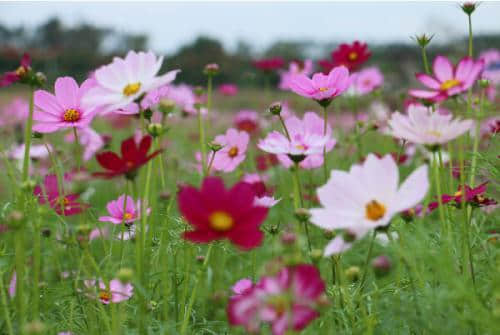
9 78
266 161
351 56
287 301
306 138
184 98
228 89
37 151
269 64
134 155
423 126
120 83
234 146
263 195
448 80
295 68
63 204
473 196
366 81
116 293
63 109
121 211
216 213
154 97
14 113
247 120
365 198
491 59
322 88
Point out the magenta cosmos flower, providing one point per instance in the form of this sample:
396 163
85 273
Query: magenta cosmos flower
448 80
289 300
216 213
123 211
63 109
366 81
234 146
228 89
269 64
366 197
9 78
423 126
306 139
120 83
295 68
116 293
247 120
322 88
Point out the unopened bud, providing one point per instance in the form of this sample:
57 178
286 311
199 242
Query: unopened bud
484 83
37 135
329 234
275 108
352 273
274 230
423 40
147 113
15 219
40 79
46 232
83 230
28 185
381 265
469 7
349 236
288 238
155 129
200 258
199 91
316 254
214 146
125 275
211 69
302 214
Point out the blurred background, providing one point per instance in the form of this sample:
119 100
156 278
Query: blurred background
75 38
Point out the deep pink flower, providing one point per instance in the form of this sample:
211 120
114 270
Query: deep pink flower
288 301
9 78
322 88
269 64
216 213
366 81
121 211
351 56
64 109
234 146
228 89
473 196
247 120
448 80
63 204
295 68
263 195
266 161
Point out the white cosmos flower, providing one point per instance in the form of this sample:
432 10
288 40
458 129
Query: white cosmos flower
122 81
366 197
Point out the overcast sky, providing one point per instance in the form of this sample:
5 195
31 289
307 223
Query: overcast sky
170 25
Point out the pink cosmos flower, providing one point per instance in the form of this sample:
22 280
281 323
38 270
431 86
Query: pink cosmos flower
491 59
306 139
322 88
117 292
366 81
228 89
123 211
288 301
184 98
99 232
89 139
448 80
64 109
120 83
423 126
234 146
247 120
37 151
241 286
14 113
154 97
294 68
365 198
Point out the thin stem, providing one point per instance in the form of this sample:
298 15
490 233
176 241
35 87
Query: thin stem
122 225
400 151
209 98
299 201
77 149
192 298
20 257
284 128
27 138
367 262
325 126
203 149
426 62
437 181
470 36
476 140
5 307
36 269
211 162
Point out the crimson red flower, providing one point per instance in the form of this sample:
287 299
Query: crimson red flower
266 161
63 204
349 55
217 213
8 78
473 196
269 64
133 157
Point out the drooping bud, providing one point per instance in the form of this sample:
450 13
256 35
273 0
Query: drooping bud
211 69
275 108
381 265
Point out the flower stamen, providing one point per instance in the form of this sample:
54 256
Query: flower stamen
375 210
132 89
221 221
450 83
71 115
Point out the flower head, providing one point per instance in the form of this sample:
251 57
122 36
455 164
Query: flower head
247 120
64 109
423 126
134 155
121 82
321 87
366 197
269 64
63 204
184 98
116 293
288 301
263 195
351 56
14 113
366 81
228 89
448 80
295 68
216 213
473 196
234 146
9 78
123 210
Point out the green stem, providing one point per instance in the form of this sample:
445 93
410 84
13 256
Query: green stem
471 54
20 257
437 181
426 62
284 128
192 298
77 149
299 201
367 262
325 125
203 149
122 225
476 140
27 138
5 307
36 269
209 99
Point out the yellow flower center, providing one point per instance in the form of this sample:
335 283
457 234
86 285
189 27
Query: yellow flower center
323 89
300 147
352 55
131 89
434 133
458 194
21 71
450 83
104 295
127 216
221 221
375 210
233 152
71 115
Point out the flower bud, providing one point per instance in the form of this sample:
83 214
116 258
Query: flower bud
155 129
352 273
302 214
484 83
166 106
469 7
274 230
349 236
288 238
381 265
329 234
200 258
125 275
37 135
275 108
423 40
28 185
165 195
214 146
46 232
211 69
40 79
316 254
199 91
15 219
147 113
